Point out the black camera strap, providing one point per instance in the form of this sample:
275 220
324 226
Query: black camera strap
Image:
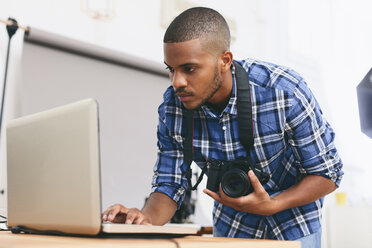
245 122
244 107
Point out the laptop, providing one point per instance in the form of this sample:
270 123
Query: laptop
53 166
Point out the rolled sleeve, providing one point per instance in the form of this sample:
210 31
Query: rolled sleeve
311 137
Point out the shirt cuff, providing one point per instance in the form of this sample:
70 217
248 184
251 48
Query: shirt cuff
175 192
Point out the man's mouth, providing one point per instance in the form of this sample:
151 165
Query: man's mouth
184 97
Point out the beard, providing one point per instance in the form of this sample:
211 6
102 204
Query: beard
215 85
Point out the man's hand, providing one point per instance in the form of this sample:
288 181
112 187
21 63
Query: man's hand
257 202
309 189
120 214
158 210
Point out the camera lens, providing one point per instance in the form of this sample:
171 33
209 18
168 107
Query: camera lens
235 183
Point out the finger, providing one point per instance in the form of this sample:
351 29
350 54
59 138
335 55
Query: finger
131 216
124 210
237 203
112 213
212 194
146 222
104 216
142 220
115 211
223 196
256 184
106 213
227 200
139 219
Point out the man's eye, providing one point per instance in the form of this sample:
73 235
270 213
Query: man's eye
189 69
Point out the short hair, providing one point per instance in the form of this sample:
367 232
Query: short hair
200 23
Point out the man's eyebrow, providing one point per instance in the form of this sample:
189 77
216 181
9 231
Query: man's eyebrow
183 65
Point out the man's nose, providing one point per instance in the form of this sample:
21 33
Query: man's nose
178 80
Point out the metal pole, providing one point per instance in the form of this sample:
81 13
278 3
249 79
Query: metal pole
11 29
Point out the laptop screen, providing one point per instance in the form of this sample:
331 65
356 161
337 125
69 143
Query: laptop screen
53 167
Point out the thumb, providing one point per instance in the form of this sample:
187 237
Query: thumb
256 184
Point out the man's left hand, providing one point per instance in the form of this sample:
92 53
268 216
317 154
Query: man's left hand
257 202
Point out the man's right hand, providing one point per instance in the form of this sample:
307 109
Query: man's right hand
158 210
120 214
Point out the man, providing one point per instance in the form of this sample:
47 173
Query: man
293 143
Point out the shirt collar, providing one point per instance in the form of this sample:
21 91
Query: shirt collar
231 106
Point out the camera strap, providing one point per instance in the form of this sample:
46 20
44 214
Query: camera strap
244 107
245 114
245 123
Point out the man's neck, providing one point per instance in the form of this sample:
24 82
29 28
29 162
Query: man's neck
218 108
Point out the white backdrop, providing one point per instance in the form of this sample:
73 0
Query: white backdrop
128 100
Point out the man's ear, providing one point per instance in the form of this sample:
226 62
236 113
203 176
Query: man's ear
226 59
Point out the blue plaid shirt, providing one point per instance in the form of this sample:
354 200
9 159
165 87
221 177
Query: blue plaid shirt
291 140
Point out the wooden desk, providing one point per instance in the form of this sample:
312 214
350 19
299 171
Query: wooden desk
8 239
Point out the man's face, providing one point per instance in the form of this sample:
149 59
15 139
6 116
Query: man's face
193 72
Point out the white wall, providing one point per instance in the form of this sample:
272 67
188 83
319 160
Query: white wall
128 100
136 29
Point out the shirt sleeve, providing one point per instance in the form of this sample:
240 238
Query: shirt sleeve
169 170
311 137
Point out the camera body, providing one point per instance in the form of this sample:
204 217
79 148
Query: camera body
233 176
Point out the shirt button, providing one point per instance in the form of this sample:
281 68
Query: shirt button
224 128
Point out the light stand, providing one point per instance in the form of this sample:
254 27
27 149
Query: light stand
11 29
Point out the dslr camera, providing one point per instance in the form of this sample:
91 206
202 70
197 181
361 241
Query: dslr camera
233 176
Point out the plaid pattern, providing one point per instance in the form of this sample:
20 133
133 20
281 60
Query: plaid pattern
291 140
